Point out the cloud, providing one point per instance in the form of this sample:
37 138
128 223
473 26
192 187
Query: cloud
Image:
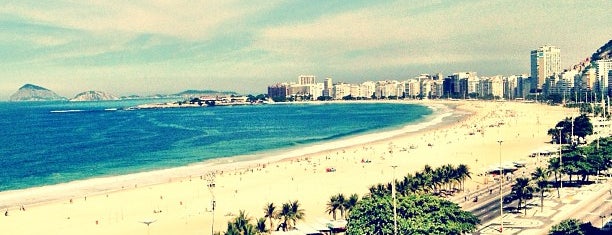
246 45
403 33
182 19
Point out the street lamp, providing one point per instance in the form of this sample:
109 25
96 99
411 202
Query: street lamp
211 186
394 202
501 201
559 128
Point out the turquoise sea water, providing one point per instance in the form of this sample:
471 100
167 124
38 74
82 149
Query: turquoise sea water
49 143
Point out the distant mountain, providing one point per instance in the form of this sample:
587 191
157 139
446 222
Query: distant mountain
94 96
205 93
604 52
29 92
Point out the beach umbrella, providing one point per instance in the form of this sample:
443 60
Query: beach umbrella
148 222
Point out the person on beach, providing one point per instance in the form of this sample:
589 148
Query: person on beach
6 213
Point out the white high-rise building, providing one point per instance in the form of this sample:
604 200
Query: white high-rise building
497 86
412 88
545 62
341 90
307 80
603 67
367 89
589 79
511 87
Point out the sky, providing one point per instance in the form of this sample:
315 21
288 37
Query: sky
149 47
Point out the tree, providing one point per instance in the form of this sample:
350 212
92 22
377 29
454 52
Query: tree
291 213
350 203
341 204
380 189
554 166
463 172
426 181
332 206
261 225
522 188
297 213
566 130
567 227
417 214
541 175
241 225
285 215
582 126
555 98
270 213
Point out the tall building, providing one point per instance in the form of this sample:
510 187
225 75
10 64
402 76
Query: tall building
328 85
306 79
603 67
545 62
589 80
279 90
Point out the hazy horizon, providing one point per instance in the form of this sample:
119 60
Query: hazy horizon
149 47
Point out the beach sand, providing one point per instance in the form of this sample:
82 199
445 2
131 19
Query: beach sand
178 200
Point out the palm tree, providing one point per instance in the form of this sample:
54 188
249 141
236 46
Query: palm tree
427 179
241 225
522 188
423 182
380 190
341 204
401 186
541 175
410 184
351 203
261 225
437 179
270 213
291 213
442 176
453 176
554 166
285 214
332 206
463 172
297 213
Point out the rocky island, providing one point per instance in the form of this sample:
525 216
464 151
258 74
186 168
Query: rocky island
94 96
29 92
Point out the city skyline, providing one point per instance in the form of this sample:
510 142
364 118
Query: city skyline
149 47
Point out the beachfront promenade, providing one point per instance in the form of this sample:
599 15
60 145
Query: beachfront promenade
585 203
572 204
178 201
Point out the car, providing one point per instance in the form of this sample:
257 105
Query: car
509 198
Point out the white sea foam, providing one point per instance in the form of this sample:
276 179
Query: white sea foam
68 111
439 115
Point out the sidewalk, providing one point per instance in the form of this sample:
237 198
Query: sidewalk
555 210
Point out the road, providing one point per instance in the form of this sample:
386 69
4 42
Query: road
586 203
597 213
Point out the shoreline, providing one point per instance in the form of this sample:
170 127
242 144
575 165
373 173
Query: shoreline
11 199
470 137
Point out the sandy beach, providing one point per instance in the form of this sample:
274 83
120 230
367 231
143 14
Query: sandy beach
178 201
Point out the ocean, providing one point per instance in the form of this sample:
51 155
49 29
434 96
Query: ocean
46 143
